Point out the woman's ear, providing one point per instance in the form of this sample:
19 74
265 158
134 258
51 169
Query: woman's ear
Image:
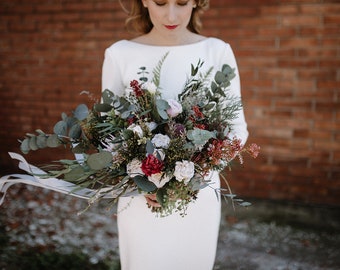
145 4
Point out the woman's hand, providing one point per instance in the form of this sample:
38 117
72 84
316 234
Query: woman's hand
151 199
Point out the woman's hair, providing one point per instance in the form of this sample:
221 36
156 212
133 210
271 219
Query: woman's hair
139 20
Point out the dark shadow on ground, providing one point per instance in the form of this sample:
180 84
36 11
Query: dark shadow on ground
266 236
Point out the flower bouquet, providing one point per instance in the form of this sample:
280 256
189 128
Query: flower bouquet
142 143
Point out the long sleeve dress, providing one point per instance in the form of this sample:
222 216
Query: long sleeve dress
148 242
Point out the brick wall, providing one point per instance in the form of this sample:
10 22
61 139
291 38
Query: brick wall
288 54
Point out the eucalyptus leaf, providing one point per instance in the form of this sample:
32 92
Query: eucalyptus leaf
25 147
162 106
125 114
103 107
200 136
107 96
144 184
99 161
63 116
40 132
213 86
81 112
150 147
60 128
53 141
70 121
228 71
42 141
75 131
220 77
74 174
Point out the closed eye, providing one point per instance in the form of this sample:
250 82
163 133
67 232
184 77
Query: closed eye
159 3
183 3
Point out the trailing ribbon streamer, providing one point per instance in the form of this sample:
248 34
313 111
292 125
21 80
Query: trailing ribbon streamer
54 184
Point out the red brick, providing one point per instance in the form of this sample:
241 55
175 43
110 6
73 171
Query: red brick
332 19
301 20
320 8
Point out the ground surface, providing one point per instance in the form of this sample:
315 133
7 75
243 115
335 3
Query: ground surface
266 236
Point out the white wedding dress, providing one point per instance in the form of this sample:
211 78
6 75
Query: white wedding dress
148 242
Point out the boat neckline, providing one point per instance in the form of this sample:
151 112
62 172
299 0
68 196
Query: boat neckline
168 46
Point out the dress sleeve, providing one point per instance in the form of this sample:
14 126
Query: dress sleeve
111 73
239 124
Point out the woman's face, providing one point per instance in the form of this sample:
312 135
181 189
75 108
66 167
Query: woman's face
170 17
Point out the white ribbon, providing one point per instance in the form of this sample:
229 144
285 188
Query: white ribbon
54 184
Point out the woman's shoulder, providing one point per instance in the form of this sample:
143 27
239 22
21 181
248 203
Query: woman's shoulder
120 44
216 42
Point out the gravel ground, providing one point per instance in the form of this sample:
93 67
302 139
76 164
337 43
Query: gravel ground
266 236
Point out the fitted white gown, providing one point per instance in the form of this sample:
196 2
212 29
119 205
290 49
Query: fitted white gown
148 242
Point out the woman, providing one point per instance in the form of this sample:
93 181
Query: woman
148 242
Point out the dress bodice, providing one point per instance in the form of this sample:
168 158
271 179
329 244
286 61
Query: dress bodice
124 58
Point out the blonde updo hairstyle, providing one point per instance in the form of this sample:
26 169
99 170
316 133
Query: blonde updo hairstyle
139 20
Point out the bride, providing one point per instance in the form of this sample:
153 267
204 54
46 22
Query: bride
148 242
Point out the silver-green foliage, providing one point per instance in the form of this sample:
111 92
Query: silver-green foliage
67 130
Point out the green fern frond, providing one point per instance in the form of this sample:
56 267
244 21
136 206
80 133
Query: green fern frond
157 70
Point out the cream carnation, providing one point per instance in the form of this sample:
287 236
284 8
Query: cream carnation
159 179
184 171
161 141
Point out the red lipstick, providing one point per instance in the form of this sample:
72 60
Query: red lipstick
171 27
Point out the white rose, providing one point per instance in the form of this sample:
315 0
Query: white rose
184 171
150 87
136 129
175 108
161 141
159 179
134 168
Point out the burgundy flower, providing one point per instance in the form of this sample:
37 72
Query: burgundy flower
136 88
179 129
200 126
151 165
198 112
131 120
